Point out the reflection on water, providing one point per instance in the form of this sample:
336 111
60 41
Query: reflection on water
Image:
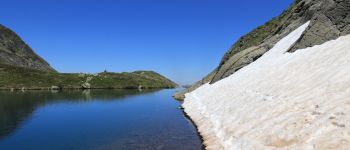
15 107
93 119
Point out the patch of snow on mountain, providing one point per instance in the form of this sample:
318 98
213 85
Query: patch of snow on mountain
297 100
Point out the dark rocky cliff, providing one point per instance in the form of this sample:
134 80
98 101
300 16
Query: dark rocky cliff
14 51
329 19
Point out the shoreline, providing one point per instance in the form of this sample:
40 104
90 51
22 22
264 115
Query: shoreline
210 141
201 138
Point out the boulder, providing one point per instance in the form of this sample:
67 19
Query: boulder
86 85
55 88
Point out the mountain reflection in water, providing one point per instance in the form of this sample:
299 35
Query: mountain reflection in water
93 119
16 107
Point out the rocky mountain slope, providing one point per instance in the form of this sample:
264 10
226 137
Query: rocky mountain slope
13 51
329 19
21 68
284 85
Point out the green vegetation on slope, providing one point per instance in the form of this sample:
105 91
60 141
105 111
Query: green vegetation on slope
18 78
258 35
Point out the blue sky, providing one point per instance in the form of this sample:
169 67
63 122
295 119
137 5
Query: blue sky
181 39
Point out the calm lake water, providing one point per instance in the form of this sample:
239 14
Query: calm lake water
94 120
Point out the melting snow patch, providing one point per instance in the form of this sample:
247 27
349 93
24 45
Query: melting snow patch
297 100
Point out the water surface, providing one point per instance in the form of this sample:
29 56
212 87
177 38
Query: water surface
94 120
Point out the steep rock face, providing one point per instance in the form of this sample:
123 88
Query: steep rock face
329 19
13 51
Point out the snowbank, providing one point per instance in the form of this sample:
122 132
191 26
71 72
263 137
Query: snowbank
297 100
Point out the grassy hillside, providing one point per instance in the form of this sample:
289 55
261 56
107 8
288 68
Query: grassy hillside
18 78
259 34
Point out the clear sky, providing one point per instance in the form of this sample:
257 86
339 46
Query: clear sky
181 39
